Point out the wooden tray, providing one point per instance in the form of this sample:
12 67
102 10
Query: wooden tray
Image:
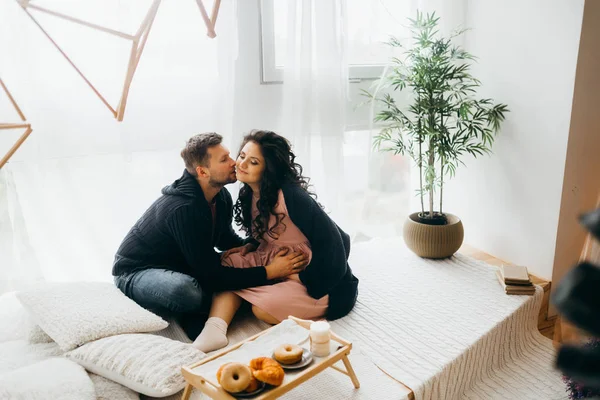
209 385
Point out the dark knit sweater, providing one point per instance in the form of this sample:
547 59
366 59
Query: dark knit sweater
176 233
328 271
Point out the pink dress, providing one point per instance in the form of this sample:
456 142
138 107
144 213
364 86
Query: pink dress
288 297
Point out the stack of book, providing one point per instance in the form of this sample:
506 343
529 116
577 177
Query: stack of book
515 280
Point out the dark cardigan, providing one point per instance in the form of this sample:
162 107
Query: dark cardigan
176 233
328 271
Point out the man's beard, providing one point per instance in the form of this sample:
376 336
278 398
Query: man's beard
222 182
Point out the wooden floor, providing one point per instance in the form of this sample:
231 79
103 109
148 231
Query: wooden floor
545 324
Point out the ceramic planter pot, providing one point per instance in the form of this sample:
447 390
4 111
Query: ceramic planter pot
433 241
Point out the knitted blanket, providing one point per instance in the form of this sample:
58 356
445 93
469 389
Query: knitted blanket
445 328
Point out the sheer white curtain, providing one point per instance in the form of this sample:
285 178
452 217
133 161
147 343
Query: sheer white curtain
315 92
70 194
369 193
80 181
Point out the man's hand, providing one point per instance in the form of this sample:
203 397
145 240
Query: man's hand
243 250
286 263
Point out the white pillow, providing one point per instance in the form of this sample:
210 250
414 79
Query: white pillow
20 353
109 390
17 324
76 313
16 321
148 364
37 335
55 378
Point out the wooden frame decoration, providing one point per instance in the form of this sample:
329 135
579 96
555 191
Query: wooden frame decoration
210 22
19 125
138 42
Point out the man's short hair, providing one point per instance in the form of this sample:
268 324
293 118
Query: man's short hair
195 152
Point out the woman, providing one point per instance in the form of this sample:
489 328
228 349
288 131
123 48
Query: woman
276 209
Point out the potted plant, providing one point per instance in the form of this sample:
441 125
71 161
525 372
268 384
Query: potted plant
442 123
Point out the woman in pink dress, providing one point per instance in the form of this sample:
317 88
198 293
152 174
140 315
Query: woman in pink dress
276 209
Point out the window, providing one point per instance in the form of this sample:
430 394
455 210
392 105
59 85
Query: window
370 24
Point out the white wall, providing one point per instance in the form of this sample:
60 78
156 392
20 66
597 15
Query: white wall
510 202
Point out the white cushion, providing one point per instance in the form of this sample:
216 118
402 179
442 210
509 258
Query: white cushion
76 313
19 353
148 364
16 322
37 335
55 378
109 390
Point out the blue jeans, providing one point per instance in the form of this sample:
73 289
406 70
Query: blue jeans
170 294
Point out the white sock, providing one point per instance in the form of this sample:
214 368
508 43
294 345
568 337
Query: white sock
213 336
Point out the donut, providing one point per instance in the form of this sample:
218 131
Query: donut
220 371
288 353
267 370
234 377
254 384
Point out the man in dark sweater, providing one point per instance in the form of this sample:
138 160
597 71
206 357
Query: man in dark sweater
167 263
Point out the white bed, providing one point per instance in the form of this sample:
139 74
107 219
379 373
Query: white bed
444 328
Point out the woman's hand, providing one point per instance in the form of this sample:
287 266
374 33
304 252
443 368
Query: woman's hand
243 250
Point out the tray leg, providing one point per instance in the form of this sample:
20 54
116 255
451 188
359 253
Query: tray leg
187 392
350 371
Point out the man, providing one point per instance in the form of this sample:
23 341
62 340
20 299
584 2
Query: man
167 263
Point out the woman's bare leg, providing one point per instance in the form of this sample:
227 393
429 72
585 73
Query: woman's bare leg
225 305
222 310
264 316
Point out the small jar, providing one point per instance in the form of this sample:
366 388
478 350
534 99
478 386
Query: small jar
320 338
319 332
320 349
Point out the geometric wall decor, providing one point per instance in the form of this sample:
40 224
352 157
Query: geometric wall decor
18 125
137 47
209 22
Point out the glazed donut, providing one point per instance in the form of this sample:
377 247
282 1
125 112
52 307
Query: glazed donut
220 371
267 370
234 377
288 353
254 384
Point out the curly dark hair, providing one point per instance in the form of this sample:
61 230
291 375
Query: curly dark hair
280 168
